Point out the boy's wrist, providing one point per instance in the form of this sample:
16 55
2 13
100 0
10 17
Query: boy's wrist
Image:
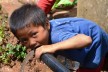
56 47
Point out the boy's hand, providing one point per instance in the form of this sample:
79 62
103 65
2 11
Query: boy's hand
44 49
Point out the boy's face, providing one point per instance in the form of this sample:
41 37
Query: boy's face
34 36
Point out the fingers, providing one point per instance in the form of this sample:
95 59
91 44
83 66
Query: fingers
38 53
43 49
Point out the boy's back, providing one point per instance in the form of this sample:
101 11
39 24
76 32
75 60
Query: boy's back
89 57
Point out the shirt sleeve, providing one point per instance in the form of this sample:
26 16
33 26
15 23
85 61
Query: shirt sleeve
46 5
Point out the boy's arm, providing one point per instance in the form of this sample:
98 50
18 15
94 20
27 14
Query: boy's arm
76 42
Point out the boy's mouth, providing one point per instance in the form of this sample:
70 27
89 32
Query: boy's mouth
35 47
38 46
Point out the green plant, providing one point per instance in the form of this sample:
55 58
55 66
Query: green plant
2 35
3 22
12 52
8 52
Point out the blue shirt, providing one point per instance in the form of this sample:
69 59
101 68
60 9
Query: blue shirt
89 57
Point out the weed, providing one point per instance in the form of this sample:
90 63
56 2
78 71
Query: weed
12 52
8 51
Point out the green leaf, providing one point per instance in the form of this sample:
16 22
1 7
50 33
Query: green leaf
24 48
1 39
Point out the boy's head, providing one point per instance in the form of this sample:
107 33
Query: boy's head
30 25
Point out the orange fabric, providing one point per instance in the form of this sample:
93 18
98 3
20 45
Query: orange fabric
46 5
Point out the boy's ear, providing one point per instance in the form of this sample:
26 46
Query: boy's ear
48 25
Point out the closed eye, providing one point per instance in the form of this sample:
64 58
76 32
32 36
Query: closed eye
34 34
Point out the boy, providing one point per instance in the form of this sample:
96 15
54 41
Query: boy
75 38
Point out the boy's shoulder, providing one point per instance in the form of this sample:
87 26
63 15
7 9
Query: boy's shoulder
68 19
76 21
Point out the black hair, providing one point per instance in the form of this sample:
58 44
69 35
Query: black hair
27 14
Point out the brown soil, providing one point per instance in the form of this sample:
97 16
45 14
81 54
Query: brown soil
32 66
36 66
